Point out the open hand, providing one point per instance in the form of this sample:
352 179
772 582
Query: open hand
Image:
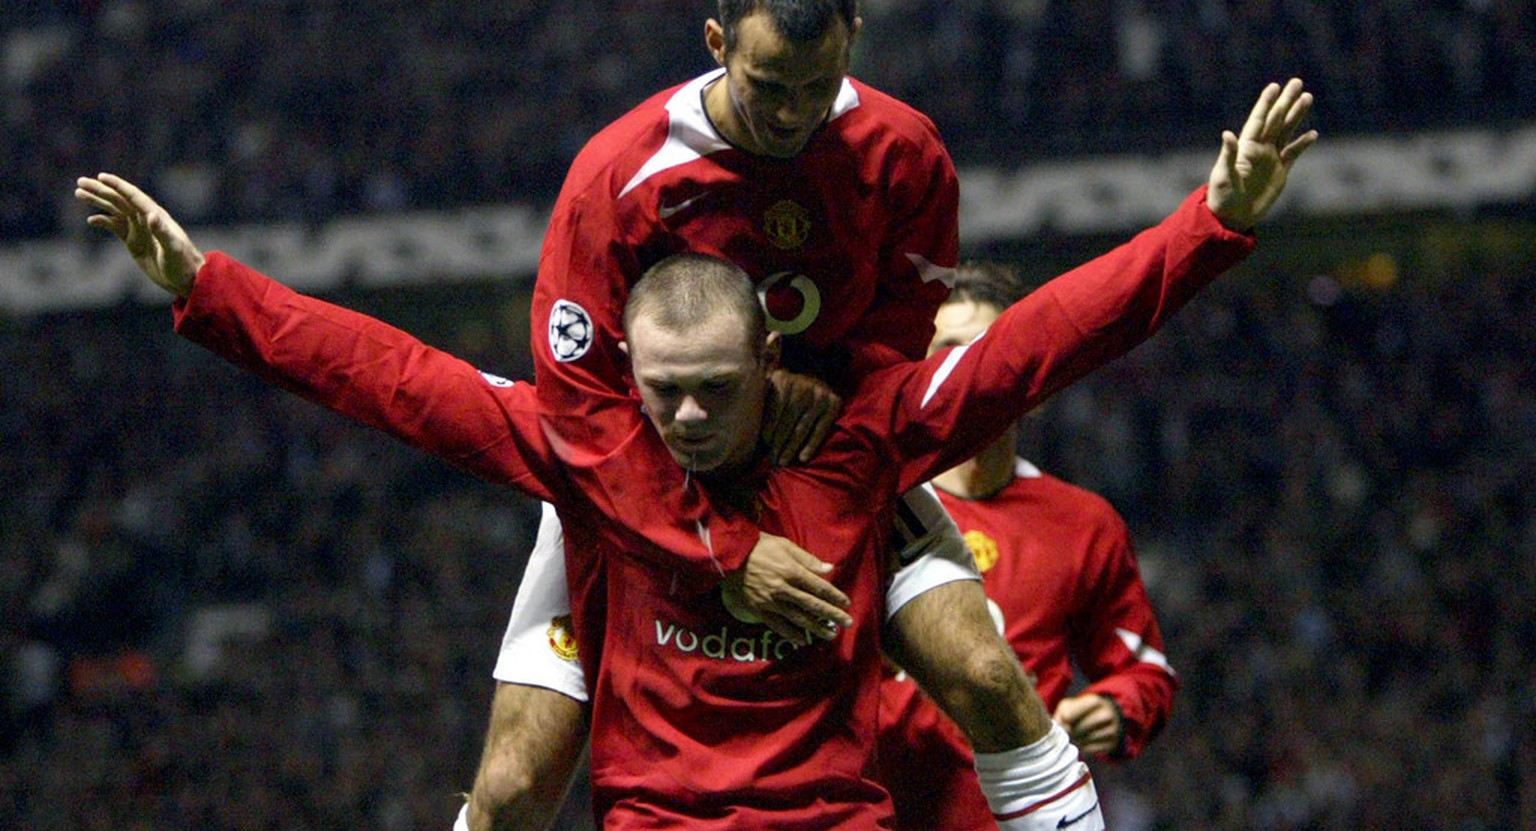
154 240
1253 166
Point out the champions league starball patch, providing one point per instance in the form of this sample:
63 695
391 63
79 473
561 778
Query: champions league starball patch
570 331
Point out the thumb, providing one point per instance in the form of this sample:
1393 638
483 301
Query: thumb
1227 160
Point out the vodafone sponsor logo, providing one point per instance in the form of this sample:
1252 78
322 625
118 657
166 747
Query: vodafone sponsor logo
726 644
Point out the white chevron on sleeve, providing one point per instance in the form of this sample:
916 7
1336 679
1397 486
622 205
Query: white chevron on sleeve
930 272
1144 651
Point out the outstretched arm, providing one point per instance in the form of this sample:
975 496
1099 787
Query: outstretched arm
155 240
1100 310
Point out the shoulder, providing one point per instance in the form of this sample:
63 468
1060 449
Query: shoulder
613 154
868 115
1083 506
656 142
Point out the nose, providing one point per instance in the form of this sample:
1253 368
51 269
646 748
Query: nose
688 410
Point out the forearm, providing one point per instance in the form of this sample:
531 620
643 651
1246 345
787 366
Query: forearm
1056 335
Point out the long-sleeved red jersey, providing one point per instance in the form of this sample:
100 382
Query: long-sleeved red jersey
702 720
1058 563
852 243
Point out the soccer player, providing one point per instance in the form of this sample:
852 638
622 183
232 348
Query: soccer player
534 738
702 717
1058 566
841 203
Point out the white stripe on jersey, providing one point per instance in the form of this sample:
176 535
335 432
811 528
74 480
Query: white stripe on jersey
930 272
690 135
942 373
1144 651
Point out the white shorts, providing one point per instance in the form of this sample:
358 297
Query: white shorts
539 649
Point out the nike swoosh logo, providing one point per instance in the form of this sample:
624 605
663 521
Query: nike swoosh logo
666 211
1065 821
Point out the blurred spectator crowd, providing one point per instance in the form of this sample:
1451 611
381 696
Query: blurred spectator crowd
1329 485
304 109
150 492
1329 482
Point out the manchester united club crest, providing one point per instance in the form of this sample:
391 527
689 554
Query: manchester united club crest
786 225
561 640
983 548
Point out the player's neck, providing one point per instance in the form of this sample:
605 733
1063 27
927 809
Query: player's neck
717 107
982 475
735 486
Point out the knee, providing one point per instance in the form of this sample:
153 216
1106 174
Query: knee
989 675
501 783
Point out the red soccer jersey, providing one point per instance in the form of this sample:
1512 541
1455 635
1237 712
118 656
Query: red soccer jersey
1058 563
852 242
702 721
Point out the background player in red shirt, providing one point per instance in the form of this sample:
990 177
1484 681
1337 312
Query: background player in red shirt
1060 572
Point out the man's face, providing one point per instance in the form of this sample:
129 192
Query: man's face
703 389
958 323
778 92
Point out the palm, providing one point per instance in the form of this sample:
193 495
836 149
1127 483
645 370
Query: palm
1251 171
155 241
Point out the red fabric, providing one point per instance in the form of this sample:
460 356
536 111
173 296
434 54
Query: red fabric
830 234
697 732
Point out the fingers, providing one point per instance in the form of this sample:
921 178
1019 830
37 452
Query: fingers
1276 117
131 194
1293 151
810 582
1284 113
1091 721
800 416
1227 159
1253 128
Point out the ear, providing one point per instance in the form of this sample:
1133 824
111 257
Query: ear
714 39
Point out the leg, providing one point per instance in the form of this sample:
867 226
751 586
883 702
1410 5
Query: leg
940 630
539 718
946 640
534 742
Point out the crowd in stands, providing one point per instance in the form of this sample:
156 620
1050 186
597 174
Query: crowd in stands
1329 480
305 109
1329 483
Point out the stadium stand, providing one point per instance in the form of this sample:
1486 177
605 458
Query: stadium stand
228 609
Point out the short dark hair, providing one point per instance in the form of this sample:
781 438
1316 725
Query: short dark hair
799 21
684 290
992 283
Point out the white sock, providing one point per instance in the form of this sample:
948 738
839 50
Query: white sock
1040 786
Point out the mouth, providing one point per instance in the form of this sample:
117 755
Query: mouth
690 442
785 136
